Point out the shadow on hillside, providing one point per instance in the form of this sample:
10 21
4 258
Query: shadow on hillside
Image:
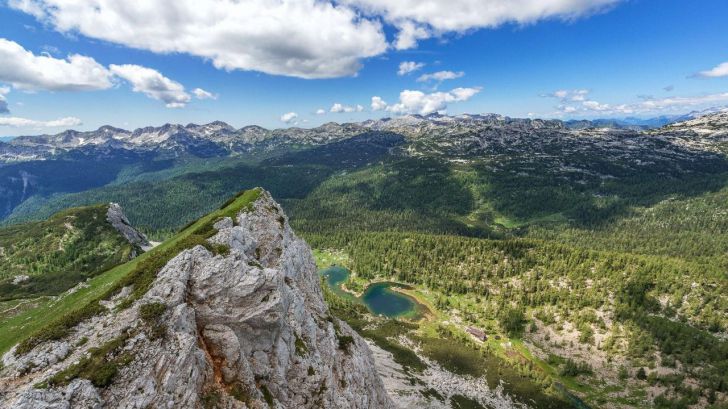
593 189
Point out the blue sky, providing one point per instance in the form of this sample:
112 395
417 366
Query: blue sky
571 59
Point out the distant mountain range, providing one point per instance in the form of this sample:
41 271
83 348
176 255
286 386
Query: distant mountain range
219 139
644 123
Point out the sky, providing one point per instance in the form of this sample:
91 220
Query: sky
82 64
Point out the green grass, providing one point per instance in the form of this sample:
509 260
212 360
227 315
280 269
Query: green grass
60 252
100 366
327 257
21 327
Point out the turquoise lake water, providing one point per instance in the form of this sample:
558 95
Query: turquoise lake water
379 298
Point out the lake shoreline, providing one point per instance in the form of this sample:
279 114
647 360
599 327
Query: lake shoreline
381 296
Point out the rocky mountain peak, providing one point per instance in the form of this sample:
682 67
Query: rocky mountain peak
115 215
243 325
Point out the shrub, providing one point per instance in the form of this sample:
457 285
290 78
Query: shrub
301 348
511 319
345 342
100 366
151 314
572 368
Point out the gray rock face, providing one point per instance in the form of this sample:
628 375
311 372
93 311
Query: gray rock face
115 215
80 393
248 329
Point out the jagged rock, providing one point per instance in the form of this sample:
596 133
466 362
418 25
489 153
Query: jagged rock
79 394
45 355
115 215
249 329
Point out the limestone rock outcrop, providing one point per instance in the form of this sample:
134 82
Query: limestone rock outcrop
115 215
247 328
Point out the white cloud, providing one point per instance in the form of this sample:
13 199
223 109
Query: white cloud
418 102
153 84
420 19
408 35
202 94
24 70
4 102
595 106
569 95
649 105
300 38
691 101
378 104
440 76
289 117
720 70
339 108
320 111
406 67
32 123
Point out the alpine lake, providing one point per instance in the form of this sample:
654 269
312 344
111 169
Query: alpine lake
381 298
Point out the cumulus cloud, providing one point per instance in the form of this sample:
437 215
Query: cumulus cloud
320 111
406 67
440 76
289 117
420 19
378 104
569 95
576 100
720 70
595 106
202 94
32 123
153 84
300 38
339 108
418 102
409 34
24 70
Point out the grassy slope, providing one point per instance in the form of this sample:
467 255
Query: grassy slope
24 325
59 252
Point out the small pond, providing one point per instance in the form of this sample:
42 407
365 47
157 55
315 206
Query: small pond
380 298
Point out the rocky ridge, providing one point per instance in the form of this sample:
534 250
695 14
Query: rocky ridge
220 139
115 215
246 327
